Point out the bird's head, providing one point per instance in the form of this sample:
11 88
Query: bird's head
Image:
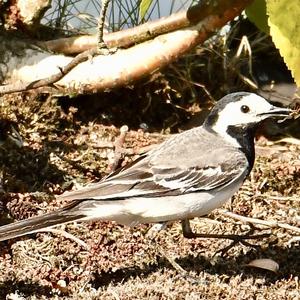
242 111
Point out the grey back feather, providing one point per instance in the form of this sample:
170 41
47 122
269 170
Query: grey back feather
194 160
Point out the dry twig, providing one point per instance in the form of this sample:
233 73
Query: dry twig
25 86
269 224
101 23
66 235
119 148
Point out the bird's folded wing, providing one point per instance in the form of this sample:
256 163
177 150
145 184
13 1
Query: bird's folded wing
150 177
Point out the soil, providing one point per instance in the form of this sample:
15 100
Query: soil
67 144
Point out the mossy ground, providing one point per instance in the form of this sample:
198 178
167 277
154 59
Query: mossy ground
64 149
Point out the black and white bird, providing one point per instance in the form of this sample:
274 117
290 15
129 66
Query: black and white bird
187 176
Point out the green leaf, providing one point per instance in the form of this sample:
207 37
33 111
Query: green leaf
257 14
284 22
144 6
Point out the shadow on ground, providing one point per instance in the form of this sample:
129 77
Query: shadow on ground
24 289
287 258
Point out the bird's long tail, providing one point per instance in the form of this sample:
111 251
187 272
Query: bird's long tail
34 224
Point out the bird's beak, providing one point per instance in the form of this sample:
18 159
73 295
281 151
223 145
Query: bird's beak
277 112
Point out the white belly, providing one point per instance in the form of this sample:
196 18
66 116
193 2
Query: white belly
152 210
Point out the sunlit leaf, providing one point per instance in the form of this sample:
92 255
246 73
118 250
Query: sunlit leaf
284 22
144 6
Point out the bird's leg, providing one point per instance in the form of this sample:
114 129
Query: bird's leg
188 233
155 229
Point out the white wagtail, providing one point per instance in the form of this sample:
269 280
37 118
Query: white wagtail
186 176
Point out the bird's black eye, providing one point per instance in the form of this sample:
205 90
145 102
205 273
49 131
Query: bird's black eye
245 109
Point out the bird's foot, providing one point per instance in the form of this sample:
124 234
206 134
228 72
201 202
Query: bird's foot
242 239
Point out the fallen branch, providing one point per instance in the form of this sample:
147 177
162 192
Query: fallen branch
131 36
125 66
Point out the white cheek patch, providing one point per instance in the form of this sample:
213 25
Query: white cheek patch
231 115
228 116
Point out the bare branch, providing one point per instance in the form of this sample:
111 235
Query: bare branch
101 23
